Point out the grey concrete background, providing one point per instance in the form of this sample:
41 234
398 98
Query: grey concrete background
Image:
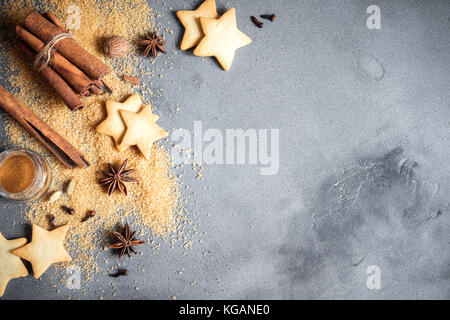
364 160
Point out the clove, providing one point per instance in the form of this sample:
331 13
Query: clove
119 273
89 215
51 221
258 23
70 211
270 17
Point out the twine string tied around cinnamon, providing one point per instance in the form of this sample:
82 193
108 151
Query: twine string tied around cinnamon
44 55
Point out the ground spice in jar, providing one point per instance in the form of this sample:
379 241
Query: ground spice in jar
17 173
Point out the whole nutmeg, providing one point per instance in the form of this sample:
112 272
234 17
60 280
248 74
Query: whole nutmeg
116 47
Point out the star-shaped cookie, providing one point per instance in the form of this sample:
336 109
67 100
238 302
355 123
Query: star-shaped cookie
222 38
142 130
45 248
113 125
190 20
10 265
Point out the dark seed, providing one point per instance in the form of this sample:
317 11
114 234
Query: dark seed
258 23
270 17
51 220
119 273
89 215
70 211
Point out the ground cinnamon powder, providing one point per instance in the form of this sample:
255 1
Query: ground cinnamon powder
17 173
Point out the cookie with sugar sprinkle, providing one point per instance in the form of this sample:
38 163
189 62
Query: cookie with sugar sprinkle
142 130
45 249
113 124
222 38
11 266
190 19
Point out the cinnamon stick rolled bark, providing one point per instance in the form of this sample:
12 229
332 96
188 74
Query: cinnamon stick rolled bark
70 98
79 82
59 146
96 90
46 31
52 18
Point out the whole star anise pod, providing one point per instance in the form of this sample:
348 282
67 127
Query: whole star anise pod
153 43
126 241
115 178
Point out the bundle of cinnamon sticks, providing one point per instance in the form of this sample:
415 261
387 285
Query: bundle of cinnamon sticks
71 71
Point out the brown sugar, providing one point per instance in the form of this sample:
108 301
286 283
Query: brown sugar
17 173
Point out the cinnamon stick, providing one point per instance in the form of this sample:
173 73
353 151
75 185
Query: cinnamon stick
77 80
59 146
70 98
46 31
52 18
105 86
96 89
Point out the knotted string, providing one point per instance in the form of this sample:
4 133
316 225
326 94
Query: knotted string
44 54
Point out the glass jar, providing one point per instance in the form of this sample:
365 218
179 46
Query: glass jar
40 182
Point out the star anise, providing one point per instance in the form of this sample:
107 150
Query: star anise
153 44
126 241
115 178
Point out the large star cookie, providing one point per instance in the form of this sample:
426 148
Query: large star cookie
10 265
45 248
113 125
222 38
142 130
190 20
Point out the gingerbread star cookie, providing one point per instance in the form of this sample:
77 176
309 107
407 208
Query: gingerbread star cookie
45 248
10 265
222 38
142 130
190 20
113 125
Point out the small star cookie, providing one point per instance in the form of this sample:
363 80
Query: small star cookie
222 38
142 130
10 265
45 248
190 20
113 125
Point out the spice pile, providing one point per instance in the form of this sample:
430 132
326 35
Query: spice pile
151 204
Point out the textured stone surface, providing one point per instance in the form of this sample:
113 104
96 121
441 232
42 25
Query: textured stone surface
364 174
